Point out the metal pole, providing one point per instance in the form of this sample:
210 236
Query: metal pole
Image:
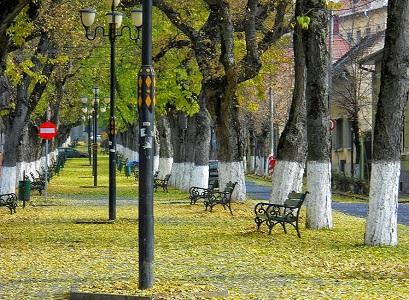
46 169
95 144
89 138
352 152
362 158
146 110
112 142
270 96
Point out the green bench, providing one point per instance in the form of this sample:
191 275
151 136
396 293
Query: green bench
287 213
10 201
223 198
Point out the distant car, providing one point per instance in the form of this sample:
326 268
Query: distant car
99 138
213 171
71 152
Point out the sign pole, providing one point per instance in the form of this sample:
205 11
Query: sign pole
46 169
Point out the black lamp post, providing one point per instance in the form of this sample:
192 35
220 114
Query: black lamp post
114 19
94 111
146 110
95 143
87 117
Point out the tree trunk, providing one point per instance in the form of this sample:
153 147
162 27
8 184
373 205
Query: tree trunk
178 132
230 154
292 147
25 104
251 161
200 172
166 151
319 214
189 157
381 227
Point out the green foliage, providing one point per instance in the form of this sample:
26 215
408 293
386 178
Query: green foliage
304 22
343 183
21 28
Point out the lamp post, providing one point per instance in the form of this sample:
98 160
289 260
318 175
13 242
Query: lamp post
94 111
87 117
114 19
146 109
95 142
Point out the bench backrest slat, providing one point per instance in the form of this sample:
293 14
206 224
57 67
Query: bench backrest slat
295 199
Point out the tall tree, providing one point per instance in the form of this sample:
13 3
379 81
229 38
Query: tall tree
292 146
223 69
381 226
319 213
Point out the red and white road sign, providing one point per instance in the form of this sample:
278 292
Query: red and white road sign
332 124
48 130
271 164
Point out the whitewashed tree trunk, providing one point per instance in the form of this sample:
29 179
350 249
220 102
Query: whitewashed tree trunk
381 224
250 164
287 177
260 166
200 176
319 211
176 174
155 163
165 166
186 176
233 171
8 180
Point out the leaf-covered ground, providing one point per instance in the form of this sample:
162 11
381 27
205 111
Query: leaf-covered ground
63 242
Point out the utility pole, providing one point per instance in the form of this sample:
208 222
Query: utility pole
270 97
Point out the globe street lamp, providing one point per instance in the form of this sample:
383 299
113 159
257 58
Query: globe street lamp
114 19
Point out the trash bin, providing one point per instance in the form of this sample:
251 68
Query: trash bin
24 189
120 165
128 171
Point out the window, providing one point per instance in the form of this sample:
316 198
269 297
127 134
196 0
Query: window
338 134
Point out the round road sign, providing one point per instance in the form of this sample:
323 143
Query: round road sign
48 130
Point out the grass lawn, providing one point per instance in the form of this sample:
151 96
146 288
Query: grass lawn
63 242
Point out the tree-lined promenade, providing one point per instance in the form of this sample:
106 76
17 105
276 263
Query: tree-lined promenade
66 244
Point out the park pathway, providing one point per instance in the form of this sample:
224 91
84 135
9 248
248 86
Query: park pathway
261 192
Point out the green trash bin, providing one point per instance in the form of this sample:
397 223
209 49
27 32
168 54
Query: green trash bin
120 165
24 189
128 171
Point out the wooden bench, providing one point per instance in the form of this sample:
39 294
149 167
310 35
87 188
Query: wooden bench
196 193
10 201
220 197
287 213
161 182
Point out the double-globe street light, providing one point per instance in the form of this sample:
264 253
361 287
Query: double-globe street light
114 19
94 112
146 111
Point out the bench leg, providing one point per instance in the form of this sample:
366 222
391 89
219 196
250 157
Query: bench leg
297 229
283 225
228 205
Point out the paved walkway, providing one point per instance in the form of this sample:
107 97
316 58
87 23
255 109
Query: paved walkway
260 192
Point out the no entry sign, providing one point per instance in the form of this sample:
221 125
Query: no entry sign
48 130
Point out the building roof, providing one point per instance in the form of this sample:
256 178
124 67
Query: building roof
351 7
358 50
340 47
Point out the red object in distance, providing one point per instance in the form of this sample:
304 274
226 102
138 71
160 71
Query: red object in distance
271 164
48 130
